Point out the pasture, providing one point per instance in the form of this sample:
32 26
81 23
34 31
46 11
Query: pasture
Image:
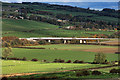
70 75
12 66
66 52
107 69
28 28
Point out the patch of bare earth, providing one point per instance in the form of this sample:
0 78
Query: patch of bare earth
115 42
104 50
22 74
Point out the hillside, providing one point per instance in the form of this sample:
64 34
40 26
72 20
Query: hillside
41 19
28 28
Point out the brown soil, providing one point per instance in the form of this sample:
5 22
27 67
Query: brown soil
22 74
115 42
104 50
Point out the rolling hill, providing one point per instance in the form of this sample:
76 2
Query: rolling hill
29 28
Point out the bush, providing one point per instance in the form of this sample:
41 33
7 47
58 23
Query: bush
83 73
119 71
34 59
24 59
14 58
4 78
3 58
79 74
81 61
78 61
113 71
100 58
69 61
44 60
55 61
59 61
96 73
94 63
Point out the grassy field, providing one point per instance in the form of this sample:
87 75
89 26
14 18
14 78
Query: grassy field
107 69
11 66
74 46
95 16
27 28
63 51
71 76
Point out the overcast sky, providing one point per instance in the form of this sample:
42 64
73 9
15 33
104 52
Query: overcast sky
59 1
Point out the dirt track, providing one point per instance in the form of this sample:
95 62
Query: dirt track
22 74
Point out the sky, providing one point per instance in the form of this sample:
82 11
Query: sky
59 1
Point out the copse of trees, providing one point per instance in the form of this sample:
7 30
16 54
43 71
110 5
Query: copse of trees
100 58
7 52
13 41
42 12
43 19
64 16
108 10
71 20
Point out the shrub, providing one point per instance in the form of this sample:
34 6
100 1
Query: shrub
83 73
3 58
59 61
100 58
44 60
4 78
119 71
34 59
94 63
24 59
96 73
79 74
78 61
69 61
14 58
81 61
48 78
113 71
55 60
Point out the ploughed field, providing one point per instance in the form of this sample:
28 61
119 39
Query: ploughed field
71 52
12 66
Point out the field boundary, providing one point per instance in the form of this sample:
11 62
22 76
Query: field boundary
22 74
31 47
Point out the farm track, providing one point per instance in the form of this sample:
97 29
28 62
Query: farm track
23 74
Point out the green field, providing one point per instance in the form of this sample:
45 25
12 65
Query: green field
69 74
74 46
95 16
11 66
107 69
27 28
62 51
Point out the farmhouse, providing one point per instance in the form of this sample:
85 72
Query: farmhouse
59 20
70 27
